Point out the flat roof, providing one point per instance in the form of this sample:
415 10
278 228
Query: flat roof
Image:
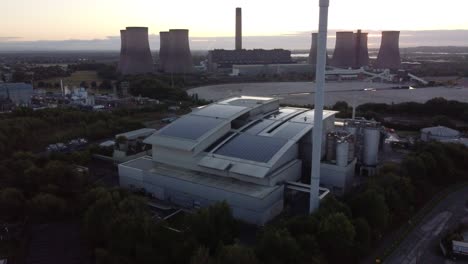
143 132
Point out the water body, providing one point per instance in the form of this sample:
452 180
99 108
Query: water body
302 93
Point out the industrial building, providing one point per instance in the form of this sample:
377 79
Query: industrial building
389 53
272 69
225 59
443 134
220 59
18 94
174 52
246 151
135 54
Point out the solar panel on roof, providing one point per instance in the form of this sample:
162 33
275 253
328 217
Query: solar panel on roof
251 147
191 127
221 111
289 130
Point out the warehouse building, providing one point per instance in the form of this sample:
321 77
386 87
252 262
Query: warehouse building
243 150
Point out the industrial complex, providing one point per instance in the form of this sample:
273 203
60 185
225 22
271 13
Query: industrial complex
249 151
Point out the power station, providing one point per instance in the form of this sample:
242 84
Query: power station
135 55
389 53
344 55
164 39
220 59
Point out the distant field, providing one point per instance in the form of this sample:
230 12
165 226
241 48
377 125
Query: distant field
76 78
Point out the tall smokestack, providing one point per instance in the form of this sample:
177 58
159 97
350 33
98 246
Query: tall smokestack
180 58
238 28
389 53
164 41
362 51
138 55
123 50
314 200
344 55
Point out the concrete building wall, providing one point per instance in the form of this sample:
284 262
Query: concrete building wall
188 194
337 179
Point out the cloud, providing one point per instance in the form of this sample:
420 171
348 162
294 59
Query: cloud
297 40
9 38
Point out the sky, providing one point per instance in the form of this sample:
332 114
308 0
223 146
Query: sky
80 20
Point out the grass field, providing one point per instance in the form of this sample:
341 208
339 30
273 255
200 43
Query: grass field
76 78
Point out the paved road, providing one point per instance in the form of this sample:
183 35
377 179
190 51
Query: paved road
301 93
422 244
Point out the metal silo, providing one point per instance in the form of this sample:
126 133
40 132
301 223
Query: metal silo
342 149
371 146
351 148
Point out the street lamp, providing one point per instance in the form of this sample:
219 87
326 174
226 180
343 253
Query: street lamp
318 109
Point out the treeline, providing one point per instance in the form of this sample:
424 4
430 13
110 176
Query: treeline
157 87
339 232
120 228
441 106
39 189
28 130
103 70
451 68
39 73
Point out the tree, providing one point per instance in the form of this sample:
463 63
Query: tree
202 256
47 207
371 206
12 203
277 246
336 234
237 254
93 84
106 84
214 225
363 238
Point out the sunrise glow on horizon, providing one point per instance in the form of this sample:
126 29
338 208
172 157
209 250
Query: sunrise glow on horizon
27 20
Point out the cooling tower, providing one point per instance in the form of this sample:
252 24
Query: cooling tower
344 55
138 59
180 58
362 51
123 50
313 50
238 28
163 49
389 53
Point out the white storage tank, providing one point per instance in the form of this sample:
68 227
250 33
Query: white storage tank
371 146
439 133
342 148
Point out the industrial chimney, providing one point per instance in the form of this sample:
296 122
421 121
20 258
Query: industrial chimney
362 50
164 41
138 59
344 55
238 28
389 53
180 58
123 50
